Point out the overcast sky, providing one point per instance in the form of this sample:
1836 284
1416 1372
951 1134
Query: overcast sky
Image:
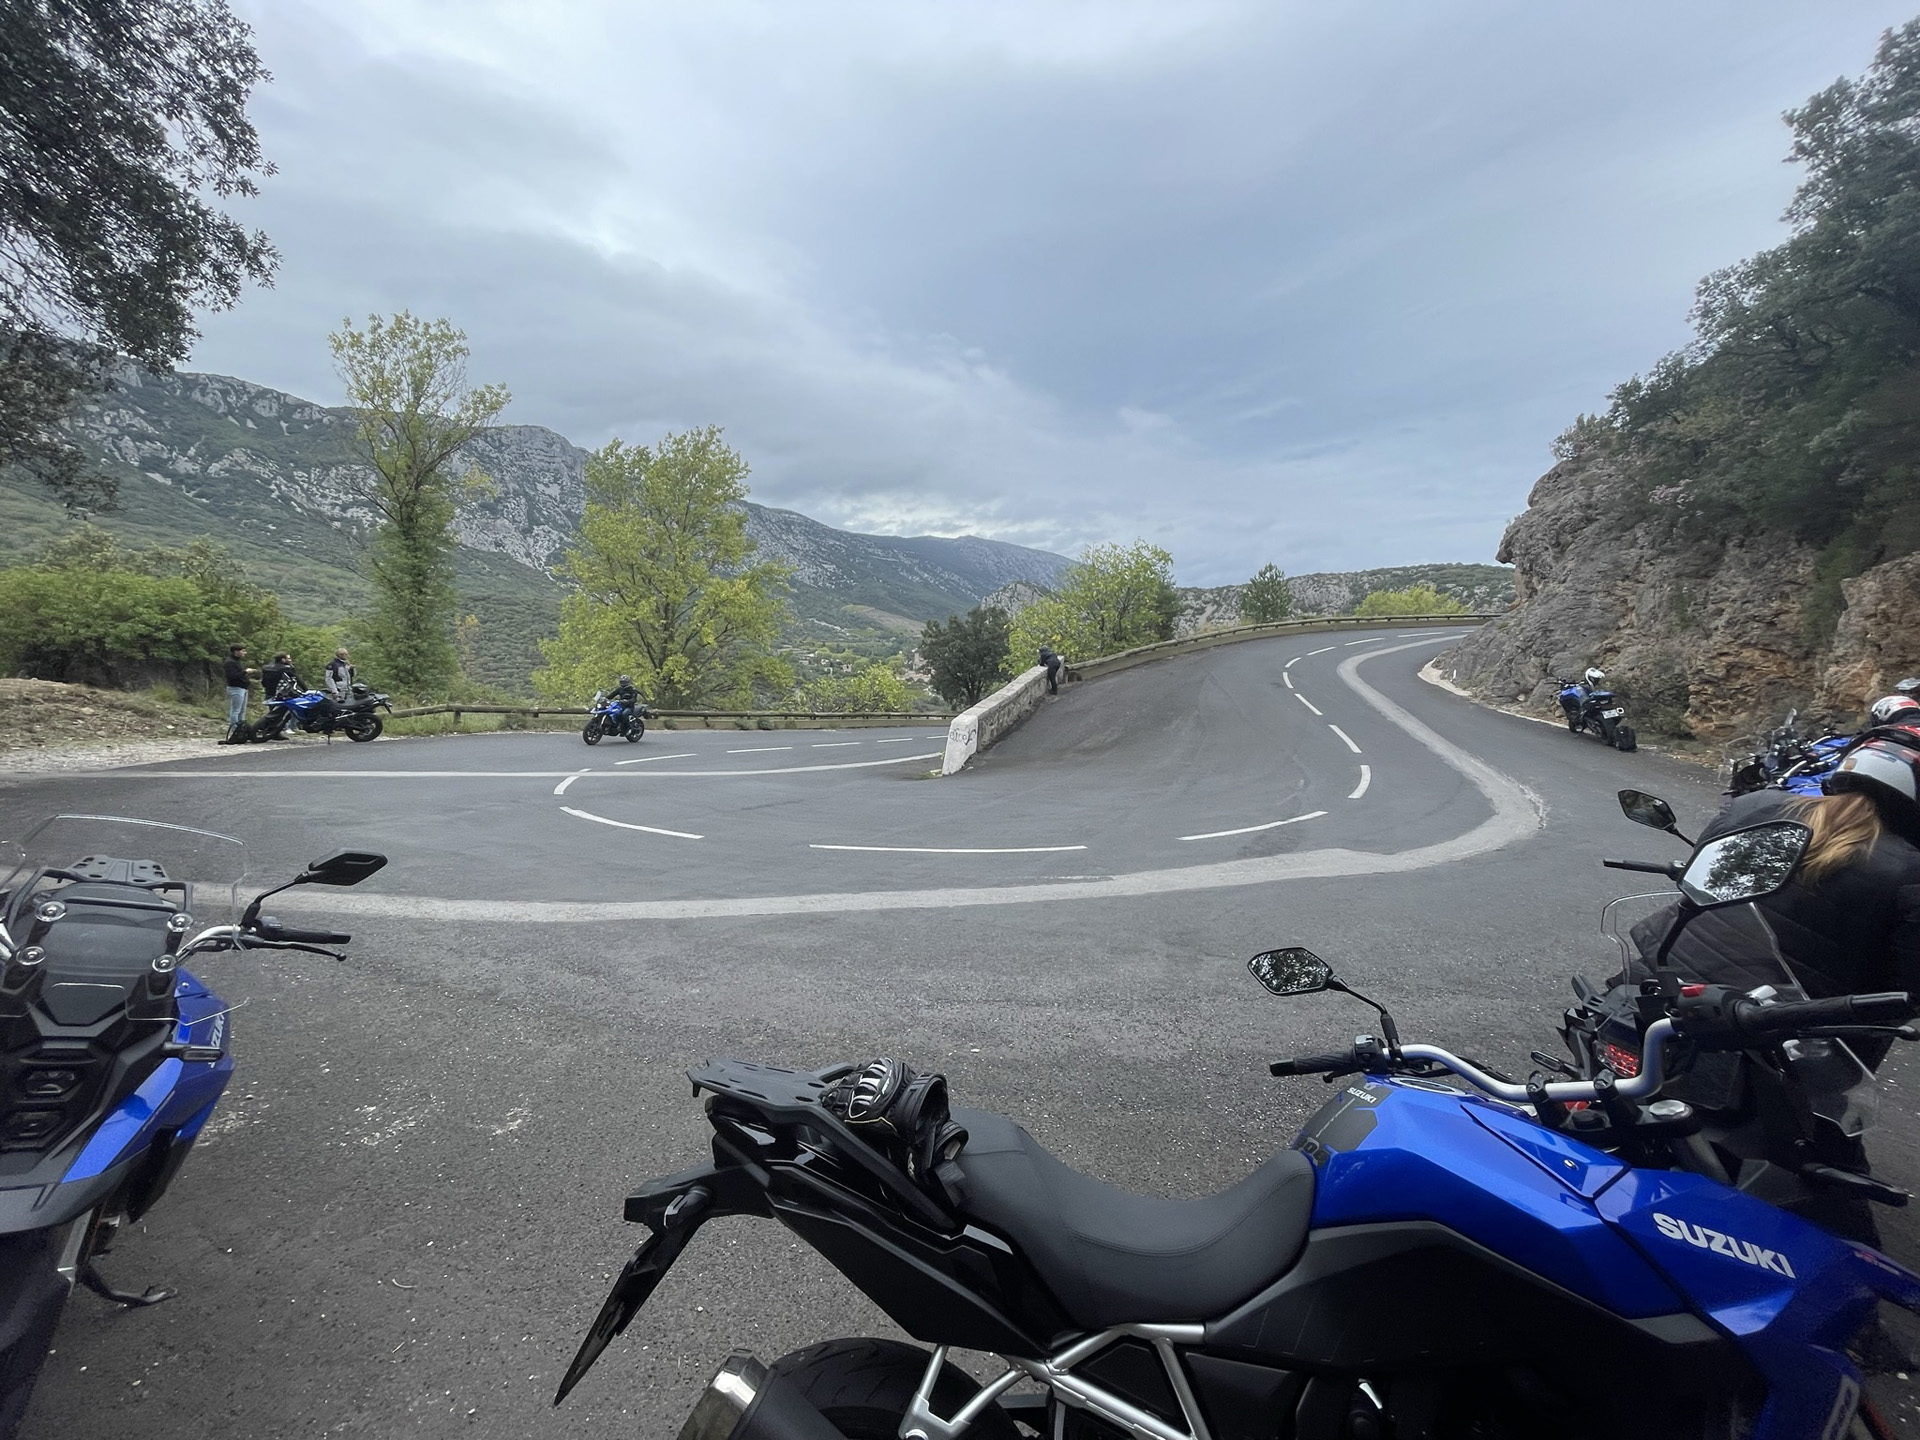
1310 283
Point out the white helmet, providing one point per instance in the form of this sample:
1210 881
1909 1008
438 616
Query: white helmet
1594 677
1881 769
1885 708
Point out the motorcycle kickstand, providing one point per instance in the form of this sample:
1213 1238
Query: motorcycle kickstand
97 1283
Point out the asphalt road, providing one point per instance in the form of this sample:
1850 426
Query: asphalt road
407 1210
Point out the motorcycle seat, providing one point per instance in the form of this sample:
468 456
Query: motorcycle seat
1113 1257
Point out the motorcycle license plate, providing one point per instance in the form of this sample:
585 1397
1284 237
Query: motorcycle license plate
1611 714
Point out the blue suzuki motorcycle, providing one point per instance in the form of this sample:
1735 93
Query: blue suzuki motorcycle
611 717
112 1053
317 713
1444 1252
1589 706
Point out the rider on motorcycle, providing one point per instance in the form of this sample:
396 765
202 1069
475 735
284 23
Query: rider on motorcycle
1849 919
625 695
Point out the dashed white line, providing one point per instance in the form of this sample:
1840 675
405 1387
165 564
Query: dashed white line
791 769
1291 663
561 788
951 850
1368 641
1288 678
1366 779
1249 829
759 749
1324 649
625 825
1306 702
683 755
1344 736
835 744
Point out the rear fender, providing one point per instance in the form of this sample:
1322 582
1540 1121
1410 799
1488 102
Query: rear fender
674 1208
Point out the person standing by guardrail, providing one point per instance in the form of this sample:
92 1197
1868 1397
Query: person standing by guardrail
1052 662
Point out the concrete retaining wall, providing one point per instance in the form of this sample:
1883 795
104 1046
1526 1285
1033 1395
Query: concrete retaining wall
975 729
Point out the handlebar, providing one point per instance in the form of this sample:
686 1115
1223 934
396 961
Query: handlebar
272 929
1315 1064
1645 867
1882 1008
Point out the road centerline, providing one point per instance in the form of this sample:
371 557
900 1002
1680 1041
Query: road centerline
683 755
1366 779
1344 736
629 825
1250 829
1306 702
952 849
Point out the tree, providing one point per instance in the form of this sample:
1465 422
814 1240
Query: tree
664 590
968 656
1114 598
407 380
1266 597
1414 600
873 685
123 121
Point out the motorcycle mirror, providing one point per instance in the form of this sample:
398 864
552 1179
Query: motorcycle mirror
1746 865
343 867
1648 810
1292 971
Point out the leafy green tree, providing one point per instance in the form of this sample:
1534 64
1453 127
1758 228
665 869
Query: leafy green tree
407 381
1114 598
664 591
1414 600
1266 597
124 122
967 655
873 685
1797 409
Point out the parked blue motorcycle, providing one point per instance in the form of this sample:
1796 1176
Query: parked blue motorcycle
317 713
612 717
112 1054
1589 705
1445 1252
1788 761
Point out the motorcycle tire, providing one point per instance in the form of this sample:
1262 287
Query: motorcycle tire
863 1388
590 732
635 730
1573 724
1624 739
361 729
1606 730
32 1295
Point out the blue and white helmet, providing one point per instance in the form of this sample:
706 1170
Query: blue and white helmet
1884 709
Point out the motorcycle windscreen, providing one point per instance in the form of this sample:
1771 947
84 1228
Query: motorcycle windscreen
177 860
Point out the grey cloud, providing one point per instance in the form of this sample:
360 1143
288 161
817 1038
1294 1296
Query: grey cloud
1313 284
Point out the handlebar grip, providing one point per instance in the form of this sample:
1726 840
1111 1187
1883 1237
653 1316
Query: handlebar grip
1886 1007
309 937
1646 867
1313 1064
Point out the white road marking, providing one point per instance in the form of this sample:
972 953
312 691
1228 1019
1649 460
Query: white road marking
1288 678
1366 779
1249 829
1516 814
1291 663
480 774
561 788
903 740
1344 736
624 825
1368 641
1324 649
951 850
759 749
835 744
1306 702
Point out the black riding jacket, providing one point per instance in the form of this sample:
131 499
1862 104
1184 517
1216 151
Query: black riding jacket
1854 930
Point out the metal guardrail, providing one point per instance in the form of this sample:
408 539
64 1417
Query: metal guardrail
1235 634
869 717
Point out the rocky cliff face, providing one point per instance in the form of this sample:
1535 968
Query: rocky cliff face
1700 637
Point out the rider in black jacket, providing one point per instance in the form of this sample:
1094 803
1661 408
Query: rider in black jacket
1849 919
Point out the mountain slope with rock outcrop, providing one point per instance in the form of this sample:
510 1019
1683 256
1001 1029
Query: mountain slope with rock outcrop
275 479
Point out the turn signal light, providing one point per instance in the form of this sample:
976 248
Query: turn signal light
1622 1061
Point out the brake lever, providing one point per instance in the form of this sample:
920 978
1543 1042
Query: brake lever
259 942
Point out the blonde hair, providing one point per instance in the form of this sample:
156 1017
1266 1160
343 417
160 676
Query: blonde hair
1845 828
